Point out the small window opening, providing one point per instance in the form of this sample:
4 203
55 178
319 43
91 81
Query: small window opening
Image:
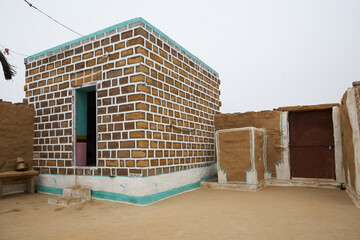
86 126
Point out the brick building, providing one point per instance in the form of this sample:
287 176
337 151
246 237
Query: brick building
126 111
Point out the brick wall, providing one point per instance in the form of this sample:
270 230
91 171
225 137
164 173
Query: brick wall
155 104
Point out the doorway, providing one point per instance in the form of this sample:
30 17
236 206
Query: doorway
312 144
86 126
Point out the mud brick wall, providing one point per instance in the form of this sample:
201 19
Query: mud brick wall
241 156
270 120
16 134
155 104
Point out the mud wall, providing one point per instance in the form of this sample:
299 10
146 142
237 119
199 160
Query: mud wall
349 117
241 157
16 134
270 120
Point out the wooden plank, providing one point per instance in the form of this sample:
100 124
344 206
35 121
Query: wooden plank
15 174
308 107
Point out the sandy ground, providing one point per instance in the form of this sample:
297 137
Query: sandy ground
273 213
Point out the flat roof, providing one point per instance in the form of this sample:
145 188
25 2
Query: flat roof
120 25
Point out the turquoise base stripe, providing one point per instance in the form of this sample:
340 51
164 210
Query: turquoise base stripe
53 190
141 200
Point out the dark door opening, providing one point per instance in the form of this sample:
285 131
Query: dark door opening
312 144
86 126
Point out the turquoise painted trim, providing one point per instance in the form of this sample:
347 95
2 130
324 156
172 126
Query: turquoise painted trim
52 190
141 200
125 176
120 25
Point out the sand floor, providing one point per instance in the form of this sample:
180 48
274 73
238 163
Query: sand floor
273 213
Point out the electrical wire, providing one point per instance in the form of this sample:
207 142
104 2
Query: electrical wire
24 55
53 19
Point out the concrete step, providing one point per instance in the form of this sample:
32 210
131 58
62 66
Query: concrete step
69 200
71 195
84 193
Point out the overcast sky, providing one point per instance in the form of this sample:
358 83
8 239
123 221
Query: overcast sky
268 53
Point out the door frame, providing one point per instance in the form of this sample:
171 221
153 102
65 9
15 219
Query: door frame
336 148
74 127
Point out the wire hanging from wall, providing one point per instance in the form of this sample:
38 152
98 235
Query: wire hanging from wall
7 51
31 5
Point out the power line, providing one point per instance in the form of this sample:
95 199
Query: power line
53 19
7 49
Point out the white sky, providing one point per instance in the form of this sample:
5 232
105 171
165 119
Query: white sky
269 53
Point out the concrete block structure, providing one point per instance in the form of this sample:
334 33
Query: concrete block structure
126 111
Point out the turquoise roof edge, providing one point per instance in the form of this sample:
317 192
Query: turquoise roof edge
120 25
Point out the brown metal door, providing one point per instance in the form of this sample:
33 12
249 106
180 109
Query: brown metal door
312 144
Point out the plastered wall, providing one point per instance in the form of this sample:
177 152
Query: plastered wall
349 117
269 120
16 134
